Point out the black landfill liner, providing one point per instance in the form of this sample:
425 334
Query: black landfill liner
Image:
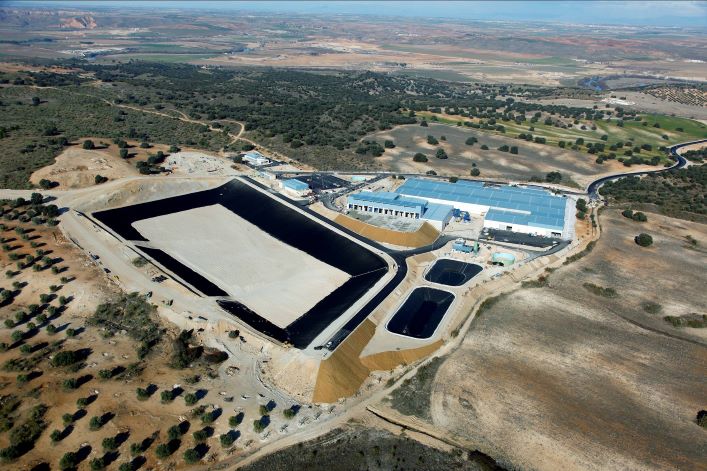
452 272
285 224
421 313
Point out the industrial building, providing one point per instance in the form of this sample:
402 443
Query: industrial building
255 158
295 187
393 204
520 209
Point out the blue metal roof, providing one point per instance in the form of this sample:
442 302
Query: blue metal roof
388 198
438 212
545 207
295 184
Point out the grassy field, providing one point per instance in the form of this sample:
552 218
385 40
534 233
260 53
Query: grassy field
565 377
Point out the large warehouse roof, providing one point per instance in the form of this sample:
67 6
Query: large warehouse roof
529 200
534 207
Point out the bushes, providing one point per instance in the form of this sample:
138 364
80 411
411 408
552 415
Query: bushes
227 439
95 423
66 357
441 154
191 399
644 240
191 456
162 451
470 141
70 460
431 140
24 436
701 418
475 172
419 157
601 291
184 354
258 425
637 216
142 394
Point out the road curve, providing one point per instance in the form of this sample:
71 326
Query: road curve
593 188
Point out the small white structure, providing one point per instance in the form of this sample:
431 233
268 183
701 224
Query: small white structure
255 158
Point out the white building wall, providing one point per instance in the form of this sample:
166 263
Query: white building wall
518 228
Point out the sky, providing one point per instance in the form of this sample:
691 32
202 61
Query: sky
654 13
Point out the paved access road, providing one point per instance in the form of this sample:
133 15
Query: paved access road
593 188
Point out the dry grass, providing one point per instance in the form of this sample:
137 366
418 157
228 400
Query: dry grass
556 377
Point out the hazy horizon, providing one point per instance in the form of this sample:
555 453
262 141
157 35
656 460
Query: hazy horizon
663 13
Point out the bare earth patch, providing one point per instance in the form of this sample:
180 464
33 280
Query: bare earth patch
558 377
77 168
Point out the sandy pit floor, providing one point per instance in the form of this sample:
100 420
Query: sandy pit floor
275 280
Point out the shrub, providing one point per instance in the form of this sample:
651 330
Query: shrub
484 147
67 418
95 423
227 439
166 396
69 461
640 217
97 464
432 140
475 172
191 456
644 240
441 154
264 410
65 358
258 425
109 443
162 451
88 144
105 374
419 157
389 144
142 394
200 436
190 399
235 420
289 413
601 291
55 436
470 141
701 418
70 384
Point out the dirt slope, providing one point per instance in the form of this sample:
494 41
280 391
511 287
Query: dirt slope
561 378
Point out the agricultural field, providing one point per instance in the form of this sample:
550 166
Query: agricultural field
583 371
